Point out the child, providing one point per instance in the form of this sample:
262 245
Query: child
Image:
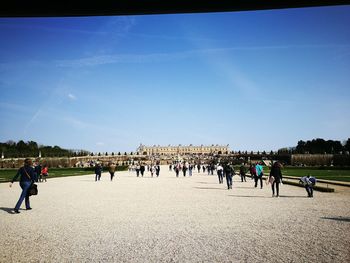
45 172
309 182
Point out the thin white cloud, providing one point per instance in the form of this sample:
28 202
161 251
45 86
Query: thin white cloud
100 143
71 96
33 119
158 57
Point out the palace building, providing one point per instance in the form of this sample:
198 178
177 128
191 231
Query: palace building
182 149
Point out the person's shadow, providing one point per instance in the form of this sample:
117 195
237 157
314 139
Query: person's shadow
8 210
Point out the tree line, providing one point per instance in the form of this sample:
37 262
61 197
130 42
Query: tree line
322 146
12 149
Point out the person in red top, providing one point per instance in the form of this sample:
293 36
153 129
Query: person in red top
45 172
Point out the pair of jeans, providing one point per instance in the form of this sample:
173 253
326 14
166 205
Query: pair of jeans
24 195
277 188
98 177
309 190
229 181
220 177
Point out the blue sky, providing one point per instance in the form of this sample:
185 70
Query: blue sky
256 80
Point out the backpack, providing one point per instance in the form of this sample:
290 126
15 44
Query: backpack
312 181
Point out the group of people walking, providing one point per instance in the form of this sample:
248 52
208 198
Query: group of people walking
28 174
42 172
99 169
184 167
256 171
140 169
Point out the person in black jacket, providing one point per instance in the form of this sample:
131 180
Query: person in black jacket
27 177
275 178
242 172
142 169
98 171
37 169
228 174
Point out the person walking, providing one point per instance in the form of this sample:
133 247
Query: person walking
142 169
27 177
152 170
252 172
219 170
212 168
228 174
198 168
177 169
98 171
275 178
137 170
37 169
111 169
157 170
259 175
190 168
45 172
242 172
184 169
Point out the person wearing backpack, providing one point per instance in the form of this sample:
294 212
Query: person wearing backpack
309 182
27 177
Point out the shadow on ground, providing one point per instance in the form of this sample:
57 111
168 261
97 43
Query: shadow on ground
340 218
7 209
209 188
254 196
258 196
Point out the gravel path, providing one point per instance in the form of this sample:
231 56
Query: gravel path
169 219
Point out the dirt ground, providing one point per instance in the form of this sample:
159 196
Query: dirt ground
169 219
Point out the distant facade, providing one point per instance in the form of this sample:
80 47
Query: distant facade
182 149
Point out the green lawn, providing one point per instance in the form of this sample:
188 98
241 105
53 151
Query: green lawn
6 175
